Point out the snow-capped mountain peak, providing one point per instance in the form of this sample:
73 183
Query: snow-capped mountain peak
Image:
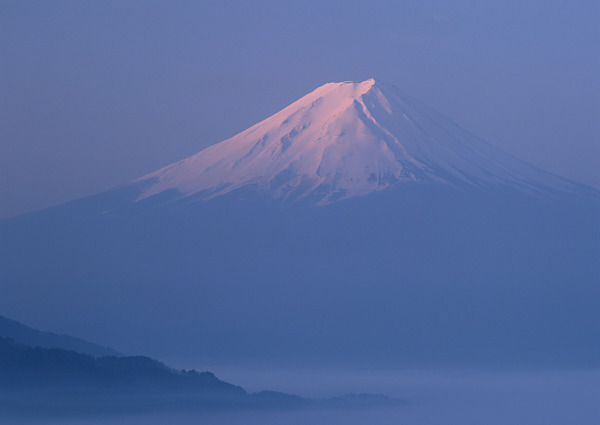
344 140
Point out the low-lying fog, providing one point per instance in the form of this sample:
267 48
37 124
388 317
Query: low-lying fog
432 398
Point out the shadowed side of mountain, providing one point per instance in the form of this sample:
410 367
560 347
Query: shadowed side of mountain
416 275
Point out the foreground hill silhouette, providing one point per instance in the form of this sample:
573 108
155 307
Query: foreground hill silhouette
36 381
25 367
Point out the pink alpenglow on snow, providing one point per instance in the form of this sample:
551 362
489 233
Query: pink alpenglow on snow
344 140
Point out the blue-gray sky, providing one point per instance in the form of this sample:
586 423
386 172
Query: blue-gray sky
96 93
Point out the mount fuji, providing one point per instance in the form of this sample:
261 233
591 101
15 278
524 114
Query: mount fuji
356 226
345 140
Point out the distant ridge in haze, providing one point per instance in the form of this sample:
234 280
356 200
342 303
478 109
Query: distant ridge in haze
28 336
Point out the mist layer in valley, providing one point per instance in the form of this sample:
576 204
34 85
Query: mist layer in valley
432 397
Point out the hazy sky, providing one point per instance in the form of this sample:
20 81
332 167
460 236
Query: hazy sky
96 93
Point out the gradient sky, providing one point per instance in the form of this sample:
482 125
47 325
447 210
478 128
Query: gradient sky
96 93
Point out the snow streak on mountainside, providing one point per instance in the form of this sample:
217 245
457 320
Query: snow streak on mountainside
344 140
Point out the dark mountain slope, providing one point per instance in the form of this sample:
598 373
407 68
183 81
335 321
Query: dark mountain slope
417 275
24 367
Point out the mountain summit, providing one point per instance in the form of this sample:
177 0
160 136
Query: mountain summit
458 254
344 140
